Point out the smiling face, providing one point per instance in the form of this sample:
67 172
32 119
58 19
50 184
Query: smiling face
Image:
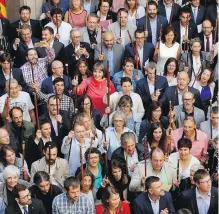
205 77
152 11
184 153
169 37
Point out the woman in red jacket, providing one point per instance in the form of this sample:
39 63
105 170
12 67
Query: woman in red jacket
111 203
95 87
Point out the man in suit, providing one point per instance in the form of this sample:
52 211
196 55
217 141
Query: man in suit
145 49
57 71
155 200
207 36
24 204
59 169
155 166
203 198
76 50
48 36
16 73
25 12
154 22
210 127
169 9
188 109
197 14
22 44
122 30
110 51
4 26
174 93
152 87
184 28
211 12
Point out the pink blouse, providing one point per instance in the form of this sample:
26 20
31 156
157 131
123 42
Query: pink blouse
77 20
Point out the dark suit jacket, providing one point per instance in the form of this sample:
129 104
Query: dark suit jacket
188 200
192 30
148 52
211 13
58 48
20 54
70 58
200 15
172 95
201 36
142 204
5 27
142 89
17 74
160 20
36 207
47 85
35 27
175 8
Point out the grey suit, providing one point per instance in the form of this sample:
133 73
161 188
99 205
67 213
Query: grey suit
118 52
206 127
180 115
85 36
115 29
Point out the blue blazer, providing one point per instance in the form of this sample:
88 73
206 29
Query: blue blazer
142 89
148 52
47 85
142 204
160 20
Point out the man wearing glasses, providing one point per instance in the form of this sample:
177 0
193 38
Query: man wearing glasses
24 202
188 109
204 198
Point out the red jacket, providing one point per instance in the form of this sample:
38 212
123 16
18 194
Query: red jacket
125 206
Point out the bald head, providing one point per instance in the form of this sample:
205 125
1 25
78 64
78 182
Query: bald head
108 38
188 95
207 27
57 68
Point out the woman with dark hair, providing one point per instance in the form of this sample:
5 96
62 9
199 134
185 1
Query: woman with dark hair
117 178
87 184
8 157
171 68
85 106
205 85
156 136
154 115
94 163
44 190
136 11
166 48
82 70
95 86
111 202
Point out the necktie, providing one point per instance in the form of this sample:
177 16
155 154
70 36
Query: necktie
207 44
195 14
25 210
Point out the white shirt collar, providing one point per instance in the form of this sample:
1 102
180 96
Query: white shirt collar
198 194
22 207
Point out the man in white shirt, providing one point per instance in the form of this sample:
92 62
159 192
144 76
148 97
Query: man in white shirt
61 29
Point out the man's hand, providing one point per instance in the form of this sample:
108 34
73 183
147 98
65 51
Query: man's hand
143 180
84 52
17 42
146 33
101 57
38 135
185 37
35 87
119 40
165 211
57 36
59 118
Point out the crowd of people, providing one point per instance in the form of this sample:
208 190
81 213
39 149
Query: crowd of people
110 106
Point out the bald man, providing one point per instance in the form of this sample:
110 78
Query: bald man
77 50
174 93
57 71
110 51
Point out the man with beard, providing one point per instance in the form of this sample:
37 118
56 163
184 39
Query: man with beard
188 109
48 36
24 203
37 66
20 130
154 200
154 23
25 13
56 167
72 199
111 51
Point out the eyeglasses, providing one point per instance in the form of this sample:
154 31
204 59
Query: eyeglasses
138 38
205 182
26 197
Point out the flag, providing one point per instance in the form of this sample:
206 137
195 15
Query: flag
3 9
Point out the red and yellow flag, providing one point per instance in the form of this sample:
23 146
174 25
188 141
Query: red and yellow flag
3 9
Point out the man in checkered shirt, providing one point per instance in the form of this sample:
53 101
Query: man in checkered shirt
38 65
72 201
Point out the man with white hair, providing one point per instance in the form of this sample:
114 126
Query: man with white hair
17 98
10 179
